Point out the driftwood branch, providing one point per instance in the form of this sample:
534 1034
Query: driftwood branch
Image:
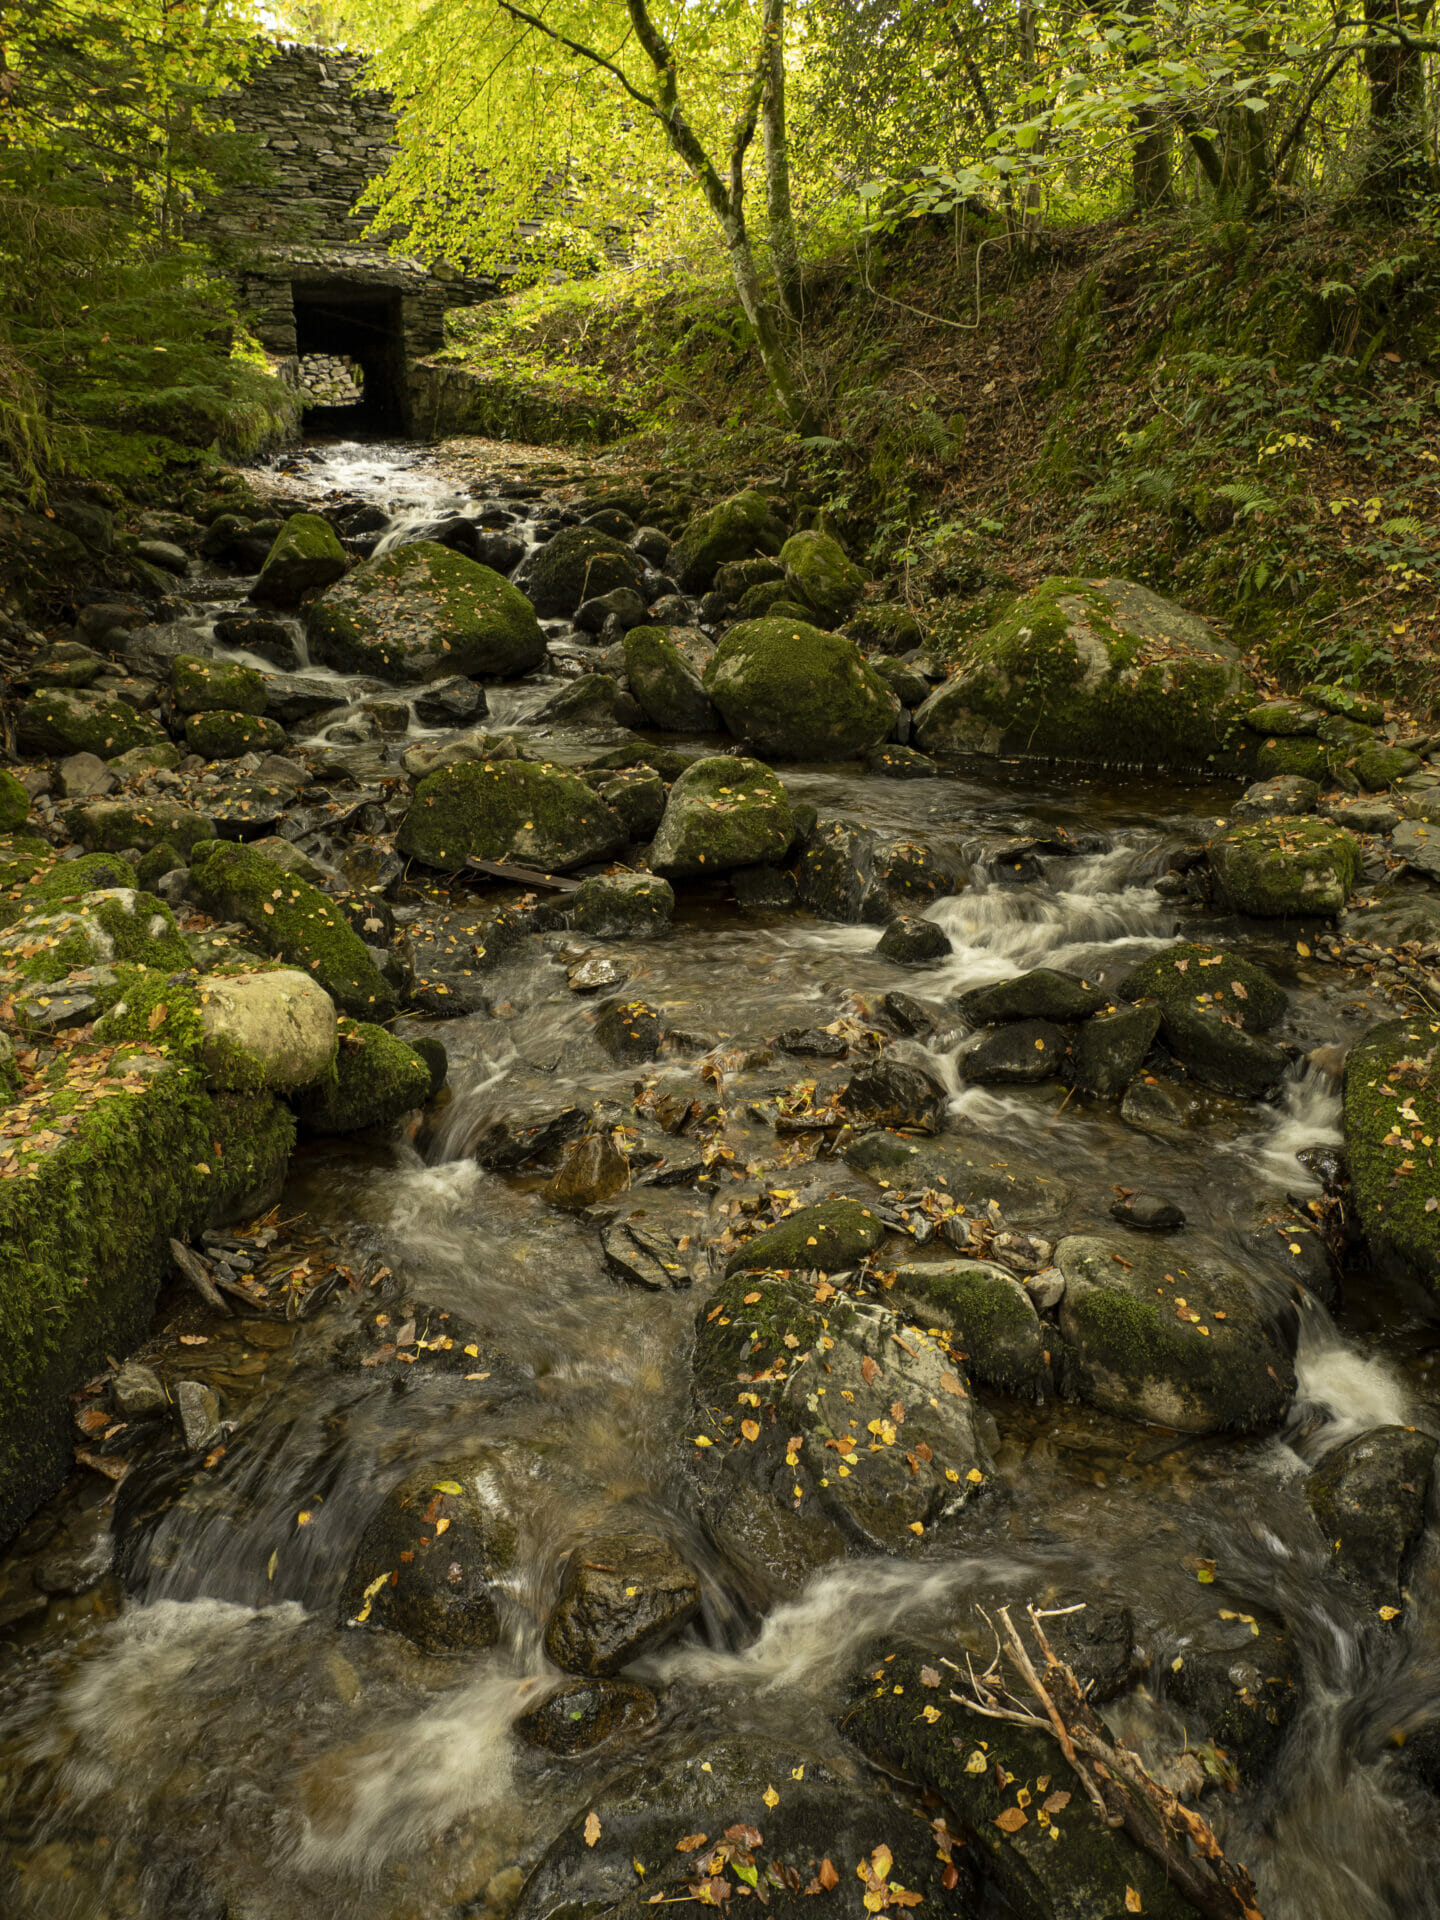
1122 1792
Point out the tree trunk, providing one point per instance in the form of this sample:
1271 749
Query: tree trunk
1396 74
761 316
1150 160
783 243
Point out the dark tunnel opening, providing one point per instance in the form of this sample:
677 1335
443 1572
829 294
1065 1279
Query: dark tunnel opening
351 348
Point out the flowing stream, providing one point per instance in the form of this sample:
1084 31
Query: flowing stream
209 1741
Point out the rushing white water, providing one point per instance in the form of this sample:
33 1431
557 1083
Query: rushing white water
1351 1391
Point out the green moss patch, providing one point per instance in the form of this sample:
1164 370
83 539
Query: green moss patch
1392 1105
792 692
226 736
1196 974
210 686
537 816
423 612
377 1078
1285 866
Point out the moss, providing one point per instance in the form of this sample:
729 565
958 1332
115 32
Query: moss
666 684
209 686
886 626
60 720
723 813
1392 1102
789 690
22 856
731 530
537 816
1302 756
67 878
820 574
226 736
1096 670
1345 701
423 612
159 861
828 1237
377 1078
101 929
14 802
1378 767
1288 717
108 826
306 555
579 563
993 1324
293 921
1274 868
1194 973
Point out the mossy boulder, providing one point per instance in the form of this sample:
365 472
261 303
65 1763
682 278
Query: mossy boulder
826 1238
1377 767
106 826
68 879
439 1586
292 920
537 816
1392 1102
1345 702
666 683
14 802
1096 670
104 928
1284 717
1282 867
623 906
736 528
722 813
820 574
1172 1335
820 1384
884 626
216 686
579 563
990 1316
274 1030
792 692
1298 756
1014 1796
79 720
969 1177
157 862
1197 974
226 736
424 612
306 556
376 1079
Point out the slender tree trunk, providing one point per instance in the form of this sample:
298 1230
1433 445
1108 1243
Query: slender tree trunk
783 243
1396 74
1150 181
761 315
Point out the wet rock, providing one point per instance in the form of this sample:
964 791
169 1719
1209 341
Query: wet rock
764 889
1275 868
537 816
623 906
664 669
828 1237
275 1030
1021 1054
792 692
894 762
1024 1194
1170 1111
1183 1342
1222 1056
198 1410
890 1092
423 612
439 1585
621 1596
510 1144
909 1016
377 1077
991 1317
1097 1643
629 1031
305 557
835 877
643 1258
787 1813
1390 1105
722 813
981 1768
812 1043
1285 794
1298 1251
592 1171
594 700
1109 1049
1041 994
1418 845
596 973
801 1421
254 633
1237 1682
637 796
582 1714
137 1393
1148 1212
454 951
450 703
1057 676
1370 1498
911 942
577 564
1194 974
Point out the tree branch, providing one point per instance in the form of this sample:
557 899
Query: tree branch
585 53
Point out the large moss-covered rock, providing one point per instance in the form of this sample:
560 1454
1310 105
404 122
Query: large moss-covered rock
105 928
623 906
424 612
1014 1796
217 686
722 813
1392 1102
376 1079
109 826
79 720
1275 868
14 802
788 1391
666 683
67 879
1297 758
734 529
827 1238
294 921
306 556
793 692
273 1030
1096 670
989 1314
537 816
1170 1334
579 563
820 574
1196 974
226 736
440 1585
969 1175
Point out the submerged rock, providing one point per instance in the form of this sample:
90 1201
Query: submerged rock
971 1178
581 1714
592 1171
432 1560
890 1092
1021 1054
622 1595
